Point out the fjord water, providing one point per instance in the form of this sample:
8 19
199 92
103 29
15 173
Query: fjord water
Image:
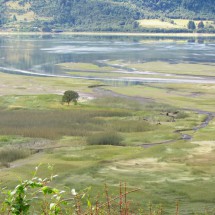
38 55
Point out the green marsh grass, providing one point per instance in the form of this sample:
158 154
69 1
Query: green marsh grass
84 67
107 138
182 115
12 140
180 68
187 96
128 126
54 124
9 154
116 102
156 170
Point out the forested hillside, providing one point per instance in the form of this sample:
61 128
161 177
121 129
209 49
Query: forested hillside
101 15
2 12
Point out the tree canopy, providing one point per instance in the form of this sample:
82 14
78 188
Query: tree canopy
70 96
191 25
201 25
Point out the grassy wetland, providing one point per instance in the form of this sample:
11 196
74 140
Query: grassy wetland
157 136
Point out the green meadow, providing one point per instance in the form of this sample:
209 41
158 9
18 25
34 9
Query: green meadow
170 23
146 124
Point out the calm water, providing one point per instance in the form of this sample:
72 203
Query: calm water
39 55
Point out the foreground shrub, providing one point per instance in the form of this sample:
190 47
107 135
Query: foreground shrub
37 196
20 200
107 138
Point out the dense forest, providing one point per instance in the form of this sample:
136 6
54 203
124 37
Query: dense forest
110 15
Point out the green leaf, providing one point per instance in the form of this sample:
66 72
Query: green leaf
89 203
47 190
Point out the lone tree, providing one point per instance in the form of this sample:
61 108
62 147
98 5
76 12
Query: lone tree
201 25
70 96
191 25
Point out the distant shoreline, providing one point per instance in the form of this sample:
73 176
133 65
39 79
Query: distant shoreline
2 33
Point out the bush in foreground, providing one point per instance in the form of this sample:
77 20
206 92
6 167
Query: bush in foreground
37 196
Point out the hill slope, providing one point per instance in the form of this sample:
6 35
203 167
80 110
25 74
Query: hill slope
106 15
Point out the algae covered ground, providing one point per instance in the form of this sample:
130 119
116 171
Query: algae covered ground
166 146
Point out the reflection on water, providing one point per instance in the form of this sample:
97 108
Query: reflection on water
39 55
